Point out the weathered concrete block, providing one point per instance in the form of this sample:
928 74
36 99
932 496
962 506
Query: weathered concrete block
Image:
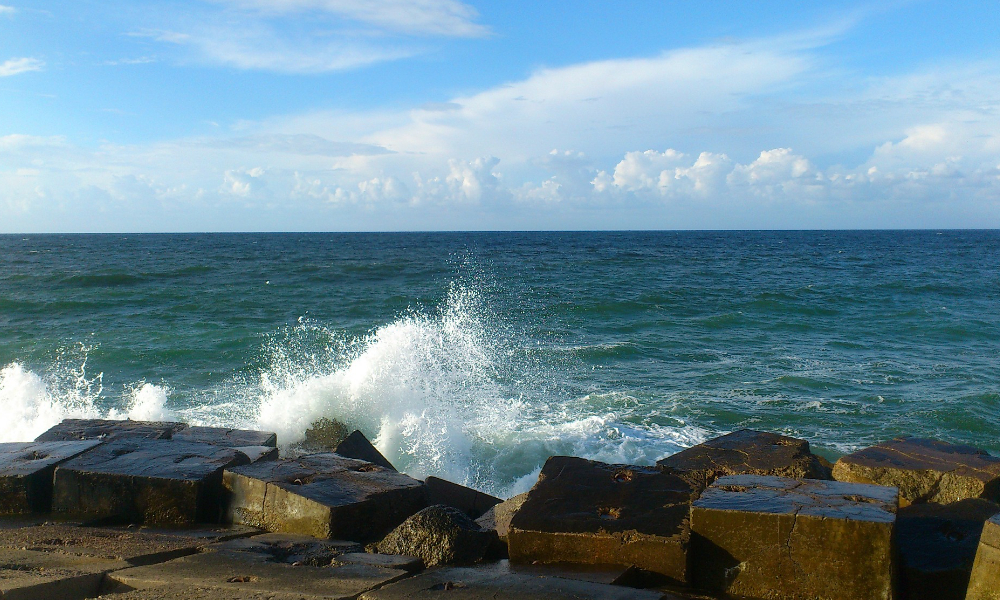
410 564
439 535
984 584
232 438
583 511
472 502
498 518
356 445
254 575
290 548
748 452
924 470
29 575
136 546
497 582
154 482
322 495
937 546
259 453
26 473
779 538
107 429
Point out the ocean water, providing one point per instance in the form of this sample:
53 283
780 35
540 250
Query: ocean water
474 356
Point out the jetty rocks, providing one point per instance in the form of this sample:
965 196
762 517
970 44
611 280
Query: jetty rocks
131 510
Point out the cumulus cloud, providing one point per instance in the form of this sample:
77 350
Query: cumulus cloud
15 66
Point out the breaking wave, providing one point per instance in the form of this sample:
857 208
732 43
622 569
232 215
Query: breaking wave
451 392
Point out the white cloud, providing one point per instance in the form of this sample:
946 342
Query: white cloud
16 66
423 17
7 10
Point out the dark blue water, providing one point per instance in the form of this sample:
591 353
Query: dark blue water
476 355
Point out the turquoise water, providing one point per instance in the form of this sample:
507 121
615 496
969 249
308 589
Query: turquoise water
474 356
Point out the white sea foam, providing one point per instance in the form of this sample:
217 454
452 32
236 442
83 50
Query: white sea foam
449 392
33 402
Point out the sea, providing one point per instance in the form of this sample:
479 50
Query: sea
475 356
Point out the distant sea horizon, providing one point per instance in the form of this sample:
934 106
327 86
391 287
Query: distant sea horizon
476 355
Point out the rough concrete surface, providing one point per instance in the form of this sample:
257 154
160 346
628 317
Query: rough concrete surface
323 495
937 546
497 582
924 470
253 573
584 511
748 452
107 429
357 446
221 436
779 538
31 575
472 502
144 481
134 545
26 470
984 583
498 518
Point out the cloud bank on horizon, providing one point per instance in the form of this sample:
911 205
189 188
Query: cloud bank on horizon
386 114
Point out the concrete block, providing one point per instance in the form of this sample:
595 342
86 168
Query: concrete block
292 549
498 518
258 453
356 445
472 502
497 582
253 574
984 583
135 546
924 470
583 511
30 575
785 539
232 438
107 429
748 452
26 470
323 495
937 546
152 482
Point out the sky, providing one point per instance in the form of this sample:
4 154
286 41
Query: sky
386 115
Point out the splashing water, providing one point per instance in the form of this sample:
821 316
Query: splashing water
449 392
33 403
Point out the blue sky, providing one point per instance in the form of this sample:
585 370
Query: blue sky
237 115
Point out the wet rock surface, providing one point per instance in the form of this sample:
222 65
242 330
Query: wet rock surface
937 546
984 583
107 429
584 511
439 535
26 470
748 452
323 495
145 481
220 436
780 538
472 502
924 470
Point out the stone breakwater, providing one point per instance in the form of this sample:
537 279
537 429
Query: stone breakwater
132 510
